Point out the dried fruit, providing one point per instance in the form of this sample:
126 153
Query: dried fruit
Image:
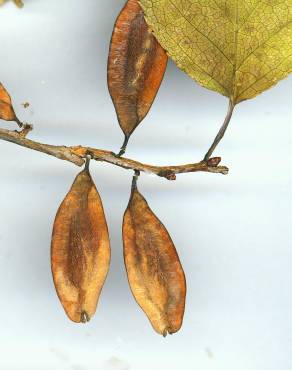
6 109
80 252
136 67
19 3
154 270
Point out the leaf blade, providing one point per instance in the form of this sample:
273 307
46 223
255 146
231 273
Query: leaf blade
233 47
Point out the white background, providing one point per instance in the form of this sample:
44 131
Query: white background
233 233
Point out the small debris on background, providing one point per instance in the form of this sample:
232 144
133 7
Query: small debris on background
25 104
209 353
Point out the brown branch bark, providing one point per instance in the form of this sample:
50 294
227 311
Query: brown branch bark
77 155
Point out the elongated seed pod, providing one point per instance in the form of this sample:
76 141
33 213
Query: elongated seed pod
153 267
80 250
6 109
136 67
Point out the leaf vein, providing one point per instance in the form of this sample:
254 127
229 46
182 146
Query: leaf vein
263 43
201 33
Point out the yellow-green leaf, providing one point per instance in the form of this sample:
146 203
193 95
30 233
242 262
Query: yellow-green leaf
238 48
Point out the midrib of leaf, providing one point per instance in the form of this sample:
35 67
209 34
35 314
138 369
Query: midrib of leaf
239 80
234 63
236 30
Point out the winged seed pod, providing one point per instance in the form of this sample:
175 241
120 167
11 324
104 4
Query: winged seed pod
80 251
154 270
136 67
6 109
19 3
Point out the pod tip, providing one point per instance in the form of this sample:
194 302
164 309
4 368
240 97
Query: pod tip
165 332
84 317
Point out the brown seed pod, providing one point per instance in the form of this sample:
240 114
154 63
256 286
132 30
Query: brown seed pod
136 67
6 109
80 251
154 270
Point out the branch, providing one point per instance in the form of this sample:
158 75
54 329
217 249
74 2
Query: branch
77 155
61 152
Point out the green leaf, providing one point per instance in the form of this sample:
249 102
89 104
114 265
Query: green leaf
238 48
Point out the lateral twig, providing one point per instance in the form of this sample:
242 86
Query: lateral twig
77 155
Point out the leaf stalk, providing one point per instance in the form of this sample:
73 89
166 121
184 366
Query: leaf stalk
221 132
